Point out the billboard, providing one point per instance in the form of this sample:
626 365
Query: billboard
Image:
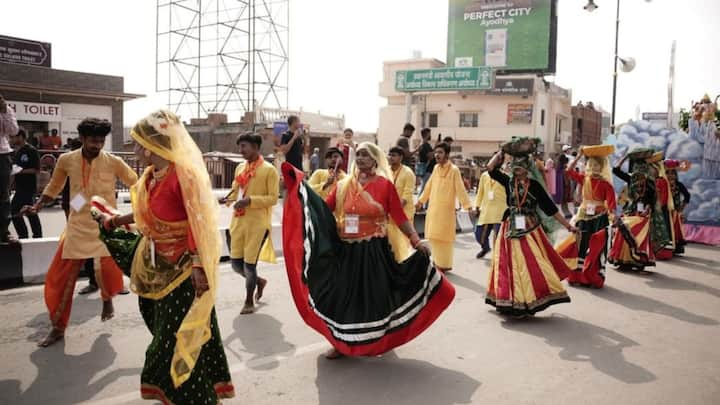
24 51
519 113
507 35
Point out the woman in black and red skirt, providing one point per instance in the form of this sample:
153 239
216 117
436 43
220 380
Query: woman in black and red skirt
343 276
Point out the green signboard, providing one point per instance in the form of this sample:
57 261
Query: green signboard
508 35
444 79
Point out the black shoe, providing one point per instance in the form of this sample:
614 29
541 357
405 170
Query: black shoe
481 254
88 289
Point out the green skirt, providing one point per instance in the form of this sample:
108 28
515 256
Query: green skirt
210 379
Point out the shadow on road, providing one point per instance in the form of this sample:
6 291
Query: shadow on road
641 303
698 263
582 341
261 335
67 379
391 380
665 282
457 279
83 310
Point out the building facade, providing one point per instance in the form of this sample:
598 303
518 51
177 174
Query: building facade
478 121
587 125
45 98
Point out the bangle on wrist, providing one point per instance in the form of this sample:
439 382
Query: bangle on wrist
415 240
113 221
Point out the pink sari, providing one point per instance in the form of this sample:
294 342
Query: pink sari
550 176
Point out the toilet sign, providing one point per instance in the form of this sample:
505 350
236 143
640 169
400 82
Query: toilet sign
26 111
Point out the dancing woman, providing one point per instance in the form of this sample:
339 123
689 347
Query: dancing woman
343 276
586 253
631 246
175 266
661 224
526 271
681 198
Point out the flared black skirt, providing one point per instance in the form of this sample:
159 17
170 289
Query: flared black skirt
355 293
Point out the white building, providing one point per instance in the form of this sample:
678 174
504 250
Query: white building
517 105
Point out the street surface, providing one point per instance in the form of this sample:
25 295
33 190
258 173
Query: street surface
641 340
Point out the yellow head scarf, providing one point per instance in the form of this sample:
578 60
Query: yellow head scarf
163 134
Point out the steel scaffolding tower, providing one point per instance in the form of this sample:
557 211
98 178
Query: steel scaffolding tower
222 56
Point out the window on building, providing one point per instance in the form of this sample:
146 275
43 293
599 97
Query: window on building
468 120
542 117
580 125
433 120
558 129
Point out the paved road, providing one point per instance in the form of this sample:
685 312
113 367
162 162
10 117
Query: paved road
641 340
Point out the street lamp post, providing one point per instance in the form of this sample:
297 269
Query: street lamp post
627 64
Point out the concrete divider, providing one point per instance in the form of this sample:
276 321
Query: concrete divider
28 261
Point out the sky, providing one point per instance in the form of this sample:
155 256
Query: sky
337 48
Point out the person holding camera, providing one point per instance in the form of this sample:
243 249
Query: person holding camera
8 127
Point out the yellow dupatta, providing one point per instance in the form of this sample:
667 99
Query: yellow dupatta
163 134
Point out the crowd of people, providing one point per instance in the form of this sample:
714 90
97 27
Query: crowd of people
358 271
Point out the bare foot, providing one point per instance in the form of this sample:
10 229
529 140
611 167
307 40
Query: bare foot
333 354
260 287
53 337
247 309
108 311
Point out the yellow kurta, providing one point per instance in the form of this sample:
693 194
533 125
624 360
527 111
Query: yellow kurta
247 232
491 200
82 236
441 192
318 179
404 181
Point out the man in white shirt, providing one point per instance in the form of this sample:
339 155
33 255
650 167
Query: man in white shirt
8 128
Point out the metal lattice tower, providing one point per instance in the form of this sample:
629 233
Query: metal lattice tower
224 56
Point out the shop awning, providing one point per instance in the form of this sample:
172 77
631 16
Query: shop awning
43 89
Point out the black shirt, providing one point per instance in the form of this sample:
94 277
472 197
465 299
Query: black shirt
536 190
404 143
294 155
425 149
27 157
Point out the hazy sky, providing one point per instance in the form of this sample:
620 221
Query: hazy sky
337 48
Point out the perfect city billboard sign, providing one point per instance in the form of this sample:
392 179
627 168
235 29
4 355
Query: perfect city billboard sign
507 35
444 79
25 52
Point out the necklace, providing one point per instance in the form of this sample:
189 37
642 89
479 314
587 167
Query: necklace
158 176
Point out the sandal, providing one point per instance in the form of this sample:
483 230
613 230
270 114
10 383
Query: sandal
51 339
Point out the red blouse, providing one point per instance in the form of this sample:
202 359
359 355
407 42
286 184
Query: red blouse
602 190
384 193
166 201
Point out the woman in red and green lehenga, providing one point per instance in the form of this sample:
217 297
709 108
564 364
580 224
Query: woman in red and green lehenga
343 275
661 224
586 253
631 246
174 270
526 272
681 198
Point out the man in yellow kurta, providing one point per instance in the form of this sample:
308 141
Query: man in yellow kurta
443 189
254 193
91 172
490 205
324 181
404 181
